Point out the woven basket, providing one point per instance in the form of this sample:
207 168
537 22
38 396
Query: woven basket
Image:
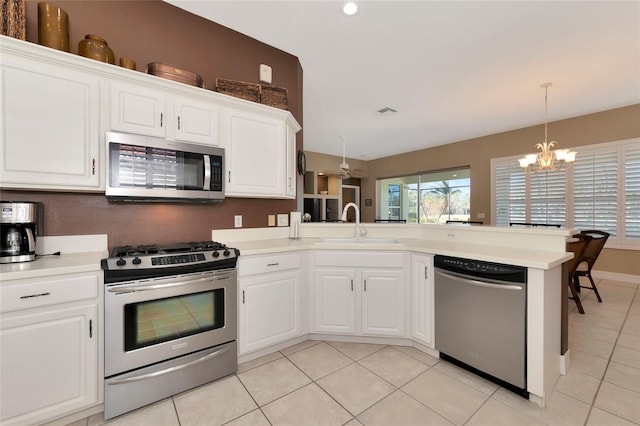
13 21
238 89
275 97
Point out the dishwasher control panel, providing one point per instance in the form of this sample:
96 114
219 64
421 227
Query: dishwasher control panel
481 268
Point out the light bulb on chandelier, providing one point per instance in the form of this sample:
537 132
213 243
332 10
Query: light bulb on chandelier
547 159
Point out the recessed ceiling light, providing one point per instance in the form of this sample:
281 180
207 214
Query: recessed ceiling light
350 8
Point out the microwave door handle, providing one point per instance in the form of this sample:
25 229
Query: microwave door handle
207 173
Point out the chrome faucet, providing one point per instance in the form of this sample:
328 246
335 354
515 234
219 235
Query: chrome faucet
359 229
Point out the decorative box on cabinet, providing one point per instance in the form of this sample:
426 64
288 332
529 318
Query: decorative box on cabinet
260 151
49 113
360 293
270 300
49 329
155 112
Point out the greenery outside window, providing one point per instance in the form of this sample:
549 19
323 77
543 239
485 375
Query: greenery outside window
430 197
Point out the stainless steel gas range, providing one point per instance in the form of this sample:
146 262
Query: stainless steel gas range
170 321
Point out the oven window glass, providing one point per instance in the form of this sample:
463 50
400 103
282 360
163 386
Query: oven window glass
162 320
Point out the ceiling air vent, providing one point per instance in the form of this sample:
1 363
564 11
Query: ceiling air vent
387 110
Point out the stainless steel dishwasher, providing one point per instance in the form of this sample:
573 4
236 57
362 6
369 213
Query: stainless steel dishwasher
481 319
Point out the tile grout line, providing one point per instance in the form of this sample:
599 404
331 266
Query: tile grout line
635 295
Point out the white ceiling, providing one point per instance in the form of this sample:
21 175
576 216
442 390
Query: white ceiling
453 70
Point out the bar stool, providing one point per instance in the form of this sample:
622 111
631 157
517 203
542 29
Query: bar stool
576 245
589 257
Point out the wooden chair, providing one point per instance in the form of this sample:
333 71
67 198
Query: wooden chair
588 258
576 245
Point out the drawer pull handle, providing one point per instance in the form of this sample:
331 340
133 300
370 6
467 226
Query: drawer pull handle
273 264
29 296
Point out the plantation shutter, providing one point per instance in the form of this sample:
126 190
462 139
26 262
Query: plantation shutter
510 194
547 201
631 156
595 186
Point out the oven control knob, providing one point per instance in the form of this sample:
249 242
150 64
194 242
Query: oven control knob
136 261
226 252
121 262
215 254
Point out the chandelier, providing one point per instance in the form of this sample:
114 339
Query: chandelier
547 159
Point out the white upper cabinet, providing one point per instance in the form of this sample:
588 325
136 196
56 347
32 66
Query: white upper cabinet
256 155
154 112
138 109
55 108
196 121
49 114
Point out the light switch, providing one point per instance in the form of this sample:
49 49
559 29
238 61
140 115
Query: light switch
265 74
283 220
271 219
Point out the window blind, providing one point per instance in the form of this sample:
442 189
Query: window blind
632 192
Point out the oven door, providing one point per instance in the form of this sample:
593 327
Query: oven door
153 320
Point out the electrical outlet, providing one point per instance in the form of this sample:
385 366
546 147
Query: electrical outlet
451 235
272 220
480 215
283 220
265 74
237 221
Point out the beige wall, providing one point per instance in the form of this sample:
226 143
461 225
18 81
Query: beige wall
607 126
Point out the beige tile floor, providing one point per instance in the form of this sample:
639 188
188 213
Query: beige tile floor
329 383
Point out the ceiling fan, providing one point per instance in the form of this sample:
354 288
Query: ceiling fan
344 172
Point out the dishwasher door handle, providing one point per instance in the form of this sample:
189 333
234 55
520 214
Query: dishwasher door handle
478 283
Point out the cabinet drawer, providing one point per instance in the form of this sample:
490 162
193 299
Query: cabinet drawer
358 259
252 265
25 294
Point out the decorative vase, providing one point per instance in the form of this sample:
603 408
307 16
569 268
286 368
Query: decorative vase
128 63
95 47
53 27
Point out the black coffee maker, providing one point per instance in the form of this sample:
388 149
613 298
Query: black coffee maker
20 224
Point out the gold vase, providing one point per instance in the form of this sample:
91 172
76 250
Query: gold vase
53 27
95 47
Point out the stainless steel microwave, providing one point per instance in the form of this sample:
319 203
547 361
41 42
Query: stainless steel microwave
142 168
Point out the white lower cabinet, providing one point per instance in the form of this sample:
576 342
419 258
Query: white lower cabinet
360 300
49 364
270 308
422 309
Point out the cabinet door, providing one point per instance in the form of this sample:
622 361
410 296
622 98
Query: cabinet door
49 116
422 299
383 302
196 121
138 109
49 364
270 309
255 155
335 305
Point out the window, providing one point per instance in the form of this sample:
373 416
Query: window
432 197
600 191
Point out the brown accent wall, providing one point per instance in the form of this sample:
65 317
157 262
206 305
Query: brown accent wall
607 126
154 31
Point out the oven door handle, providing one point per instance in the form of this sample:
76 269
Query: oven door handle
168 370
130 289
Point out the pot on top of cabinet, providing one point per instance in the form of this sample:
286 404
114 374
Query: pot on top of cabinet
95 47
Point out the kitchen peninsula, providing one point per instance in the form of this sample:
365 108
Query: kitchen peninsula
284 275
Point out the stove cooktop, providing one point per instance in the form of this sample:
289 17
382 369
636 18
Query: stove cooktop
145 261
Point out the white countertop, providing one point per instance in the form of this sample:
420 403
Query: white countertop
52 265
531 258
79 253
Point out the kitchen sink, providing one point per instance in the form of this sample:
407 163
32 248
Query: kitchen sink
359 241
